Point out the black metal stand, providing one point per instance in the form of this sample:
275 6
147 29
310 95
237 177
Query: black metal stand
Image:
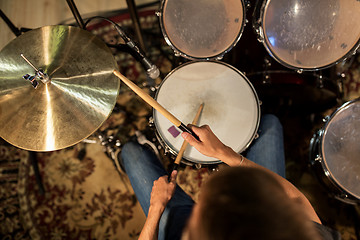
76 13
133 14
12 27
136 22
32 155
34 163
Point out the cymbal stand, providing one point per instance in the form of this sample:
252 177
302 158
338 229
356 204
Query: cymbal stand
136 22
17 31
112 147
132 11
121 47
34 162
76 13
32 155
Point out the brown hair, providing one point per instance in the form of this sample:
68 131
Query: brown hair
247 203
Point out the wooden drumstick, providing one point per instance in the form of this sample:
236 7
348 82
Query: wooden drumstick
185 143
147 98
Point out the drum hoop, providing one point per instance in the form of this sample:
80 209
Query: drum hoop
259 29
317 163
324 164
212 57
184 160
237 71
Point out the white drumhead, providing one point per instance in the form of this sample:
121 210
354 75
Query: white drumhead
308 34
231 106
203 28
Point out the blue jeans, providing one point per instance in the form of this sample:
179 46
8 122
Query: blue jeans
143 168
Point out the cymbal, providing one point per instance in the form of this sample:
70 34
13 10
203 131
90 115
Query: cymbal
79 97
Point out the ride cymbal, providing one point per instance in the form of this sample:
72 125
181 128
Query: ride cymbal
77 99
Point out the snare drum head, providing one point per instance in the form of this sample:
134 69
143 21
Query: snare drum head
340 145
308 34
202 29
231 106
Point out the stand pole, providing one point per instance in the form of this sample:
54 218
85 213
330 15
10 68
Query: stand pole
136 22
76 13
14 29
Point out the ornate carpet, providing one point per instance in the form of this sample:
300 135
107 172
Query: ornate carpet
87 195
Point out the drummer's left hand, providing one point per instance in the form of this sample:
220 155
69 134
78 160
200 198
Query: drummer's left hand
163 191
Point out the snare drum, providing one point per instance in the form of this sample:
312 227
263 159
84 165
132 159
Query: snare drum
231 106
335 152
202 29
308 34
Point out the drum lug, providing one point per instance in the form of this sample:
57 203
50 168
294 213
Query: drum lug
256 136
318 158
166 150
326 119
267 64
247 4
151 121
197 165
220 57
260 33
340 84
153 89
177 54
213 169
158 13
320 82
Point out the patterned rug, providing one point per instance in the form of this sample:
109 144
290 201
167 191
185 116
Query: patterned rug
87 195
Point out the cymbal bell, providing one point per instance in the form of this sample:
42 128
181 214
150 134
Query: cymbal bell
77 99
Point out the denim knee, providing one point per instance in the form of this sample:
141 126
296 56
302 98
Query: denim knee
130 152
270 121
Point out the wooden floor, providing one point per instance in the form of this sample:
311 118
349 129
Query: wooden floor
37 13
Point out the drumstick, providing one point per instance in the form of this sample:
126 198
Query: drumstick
147 98
185 143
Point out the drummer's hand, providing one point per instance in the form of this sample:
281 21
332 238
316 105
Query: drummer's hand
162 191
209 143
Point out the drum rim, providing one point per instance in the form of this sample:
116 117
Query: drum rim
234 69
323 162
188 56
259 29
315 158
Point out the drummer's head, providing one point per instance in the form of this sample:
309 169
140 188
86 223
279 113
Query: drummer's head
246 203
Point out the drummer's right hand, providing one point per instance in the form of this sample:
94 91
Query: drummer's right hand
209 143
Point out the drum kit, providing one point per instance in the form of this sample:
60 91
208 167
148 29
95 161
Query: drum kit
74 90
